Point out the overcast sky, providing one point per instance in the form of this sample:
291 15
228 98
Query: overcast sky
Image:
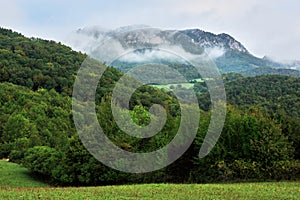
265 27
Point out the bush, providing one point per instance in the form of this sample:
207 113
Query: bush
285 170
246 170
42 159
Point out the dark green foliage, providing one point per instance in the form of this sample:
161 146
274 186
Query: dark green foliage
279 94
37 63
32 118
249 146
187 70
268 70
42 159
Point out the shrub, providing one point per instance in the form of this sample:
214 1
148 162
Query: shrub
42 159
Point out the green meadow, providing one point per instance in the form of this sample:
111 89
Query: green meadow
15 183
176 85
265 190
13 175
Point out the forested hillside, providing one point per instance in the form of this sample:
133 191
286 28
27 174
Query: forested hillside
278 94
260 139
37 63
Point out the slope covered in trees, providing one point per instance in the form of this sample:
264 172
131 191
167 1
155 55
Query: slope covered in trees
278 94
37 63
37 129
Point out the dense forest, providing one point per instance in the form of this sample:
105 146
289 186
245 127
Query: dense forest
260 139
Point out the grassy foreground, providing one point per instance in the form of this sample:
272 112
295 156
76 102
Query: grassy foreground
13 175
15 183
274 190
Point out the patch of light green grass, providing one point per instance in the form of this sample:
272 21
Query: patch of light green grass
183 85
168 86
13 175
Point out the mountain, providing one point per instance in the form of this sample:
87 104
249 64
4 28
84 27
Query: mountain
210 40
228 54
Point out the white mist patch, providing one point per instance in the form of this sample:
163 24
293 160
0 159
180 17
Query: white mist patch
287 64
174 53
215 52
149 55
82 42
87 39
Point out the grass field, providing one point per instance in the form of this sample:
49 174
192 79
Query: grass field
15 183
13 175
167 87
276 190
183 85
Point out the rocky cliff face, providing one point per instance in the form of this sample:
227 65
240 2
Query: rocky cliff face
210 40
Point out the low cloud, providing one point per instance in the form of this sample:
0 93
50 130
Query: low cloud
215 52
105 46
